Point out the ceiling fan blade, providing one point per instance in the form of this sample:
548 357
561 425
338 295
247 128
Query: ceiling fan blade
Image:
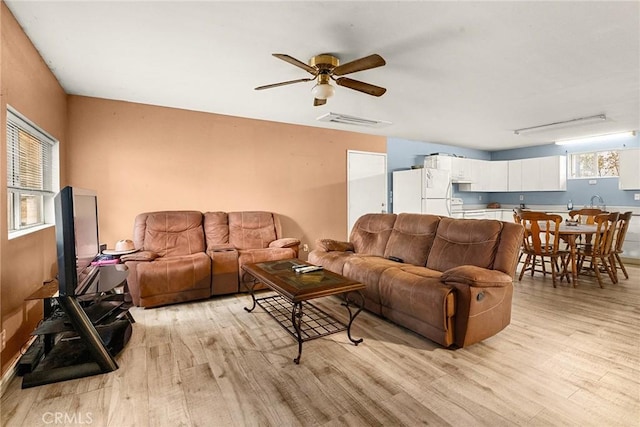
293 61
361 86
317 102
366 63
284 83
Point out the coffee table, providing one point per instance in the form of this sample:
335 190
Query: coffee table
303 321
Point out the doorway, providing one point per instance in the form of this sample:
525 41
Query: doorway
366 185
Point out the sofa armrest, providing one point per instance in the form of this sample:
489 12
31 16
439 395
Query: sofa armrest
140 256
285 242
330 245
476 276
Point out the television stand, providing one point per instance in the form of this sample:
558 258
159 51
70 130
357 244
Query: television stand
81 337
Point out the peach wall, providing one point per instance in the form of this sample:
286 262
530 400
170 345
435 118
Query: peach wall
144 158
28 85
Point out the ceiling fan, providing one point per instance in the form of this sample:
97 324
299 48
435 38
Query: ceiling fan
325 67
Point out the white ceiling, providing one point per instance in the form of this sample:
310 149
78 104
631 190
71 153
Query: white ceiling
458 73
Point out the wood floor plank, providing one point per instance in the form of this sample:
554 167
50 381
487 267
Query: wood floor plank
571 357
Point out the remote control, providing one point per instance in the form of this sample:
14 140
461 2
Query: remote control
296 267
309 269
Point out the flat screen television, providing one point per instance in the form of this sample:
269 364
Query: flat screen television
77 242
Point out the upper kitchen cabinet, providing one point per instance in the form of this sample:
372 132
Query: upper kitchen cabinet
629 178
460 167
514 170
497 176
491 176
544 174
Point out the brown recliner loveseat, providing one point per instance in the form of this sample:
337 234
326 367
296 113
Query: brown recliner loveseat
188 255
450 280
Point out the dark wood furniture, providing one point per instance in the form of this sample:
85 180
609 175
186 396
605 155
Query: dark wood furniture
303 321
542 240
79 335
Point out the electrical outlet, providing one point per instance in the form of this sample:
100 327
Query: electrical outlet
479 198
4 339
305 248
521 197
636 196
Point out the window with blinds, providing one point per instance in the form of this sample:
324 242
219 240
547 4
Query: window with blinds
31 160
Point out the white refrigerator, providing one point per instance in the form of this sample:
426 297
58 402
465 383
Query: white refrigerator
423 190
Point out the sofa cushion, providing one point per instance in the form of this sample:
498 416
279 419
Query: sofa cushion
251 230
171 233
367 270
464 242
172 275
421 271
216 228
412 237
371 232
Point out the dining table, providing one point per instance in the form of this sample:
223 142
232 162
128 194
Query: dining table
570 232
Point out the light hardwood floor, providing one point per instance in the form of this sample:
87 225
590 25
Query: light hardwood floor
570 357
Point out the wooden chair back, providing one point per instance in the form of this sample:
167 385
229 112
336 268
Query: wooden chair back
585 215
621 231
606 228
541 232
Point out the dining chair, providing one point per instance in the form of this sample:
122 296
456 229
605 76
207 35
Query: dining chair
517 218
618 242
598 253
585 216
541 240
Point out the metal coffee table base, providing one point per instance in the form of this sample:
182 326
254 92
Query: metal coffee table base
305 321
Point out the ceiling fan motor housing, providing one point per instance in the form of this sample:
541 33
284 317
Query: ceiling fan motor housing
324 62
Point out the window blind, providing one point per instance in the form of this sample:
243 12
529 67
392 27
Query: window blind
31 164
29 157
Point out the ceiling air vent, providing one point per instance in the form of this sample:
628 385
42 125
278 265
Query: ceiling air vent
352 120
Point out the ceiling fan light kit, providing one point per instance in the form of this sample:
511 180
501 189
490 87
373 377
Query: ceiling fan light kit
323 89
324 67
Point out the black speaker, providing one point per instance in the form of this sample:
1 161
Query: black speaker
115 335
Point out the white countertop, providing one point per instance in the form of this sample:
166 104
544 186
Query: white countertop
560 209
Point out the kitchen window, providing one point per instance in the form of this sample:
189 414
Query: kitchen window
595 164
32 174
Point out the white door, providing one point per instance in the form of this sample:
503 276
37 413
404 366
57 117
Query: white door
366 185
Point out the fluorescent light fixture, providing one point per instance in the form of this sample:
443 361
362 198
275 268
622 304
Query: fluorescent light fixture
562 124
596 138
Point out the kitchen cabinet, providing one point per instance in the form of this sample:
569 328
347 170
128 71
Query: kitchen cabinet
536 174
540 174
631 247
629 178
497 176
514 175
498 214
486 175
460 167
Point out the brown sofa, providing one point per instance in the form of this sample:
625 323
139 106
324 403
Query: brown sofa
451 280
188 255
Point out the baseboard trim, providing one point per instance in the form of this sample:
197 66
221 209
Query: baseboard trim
13 369
8 376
